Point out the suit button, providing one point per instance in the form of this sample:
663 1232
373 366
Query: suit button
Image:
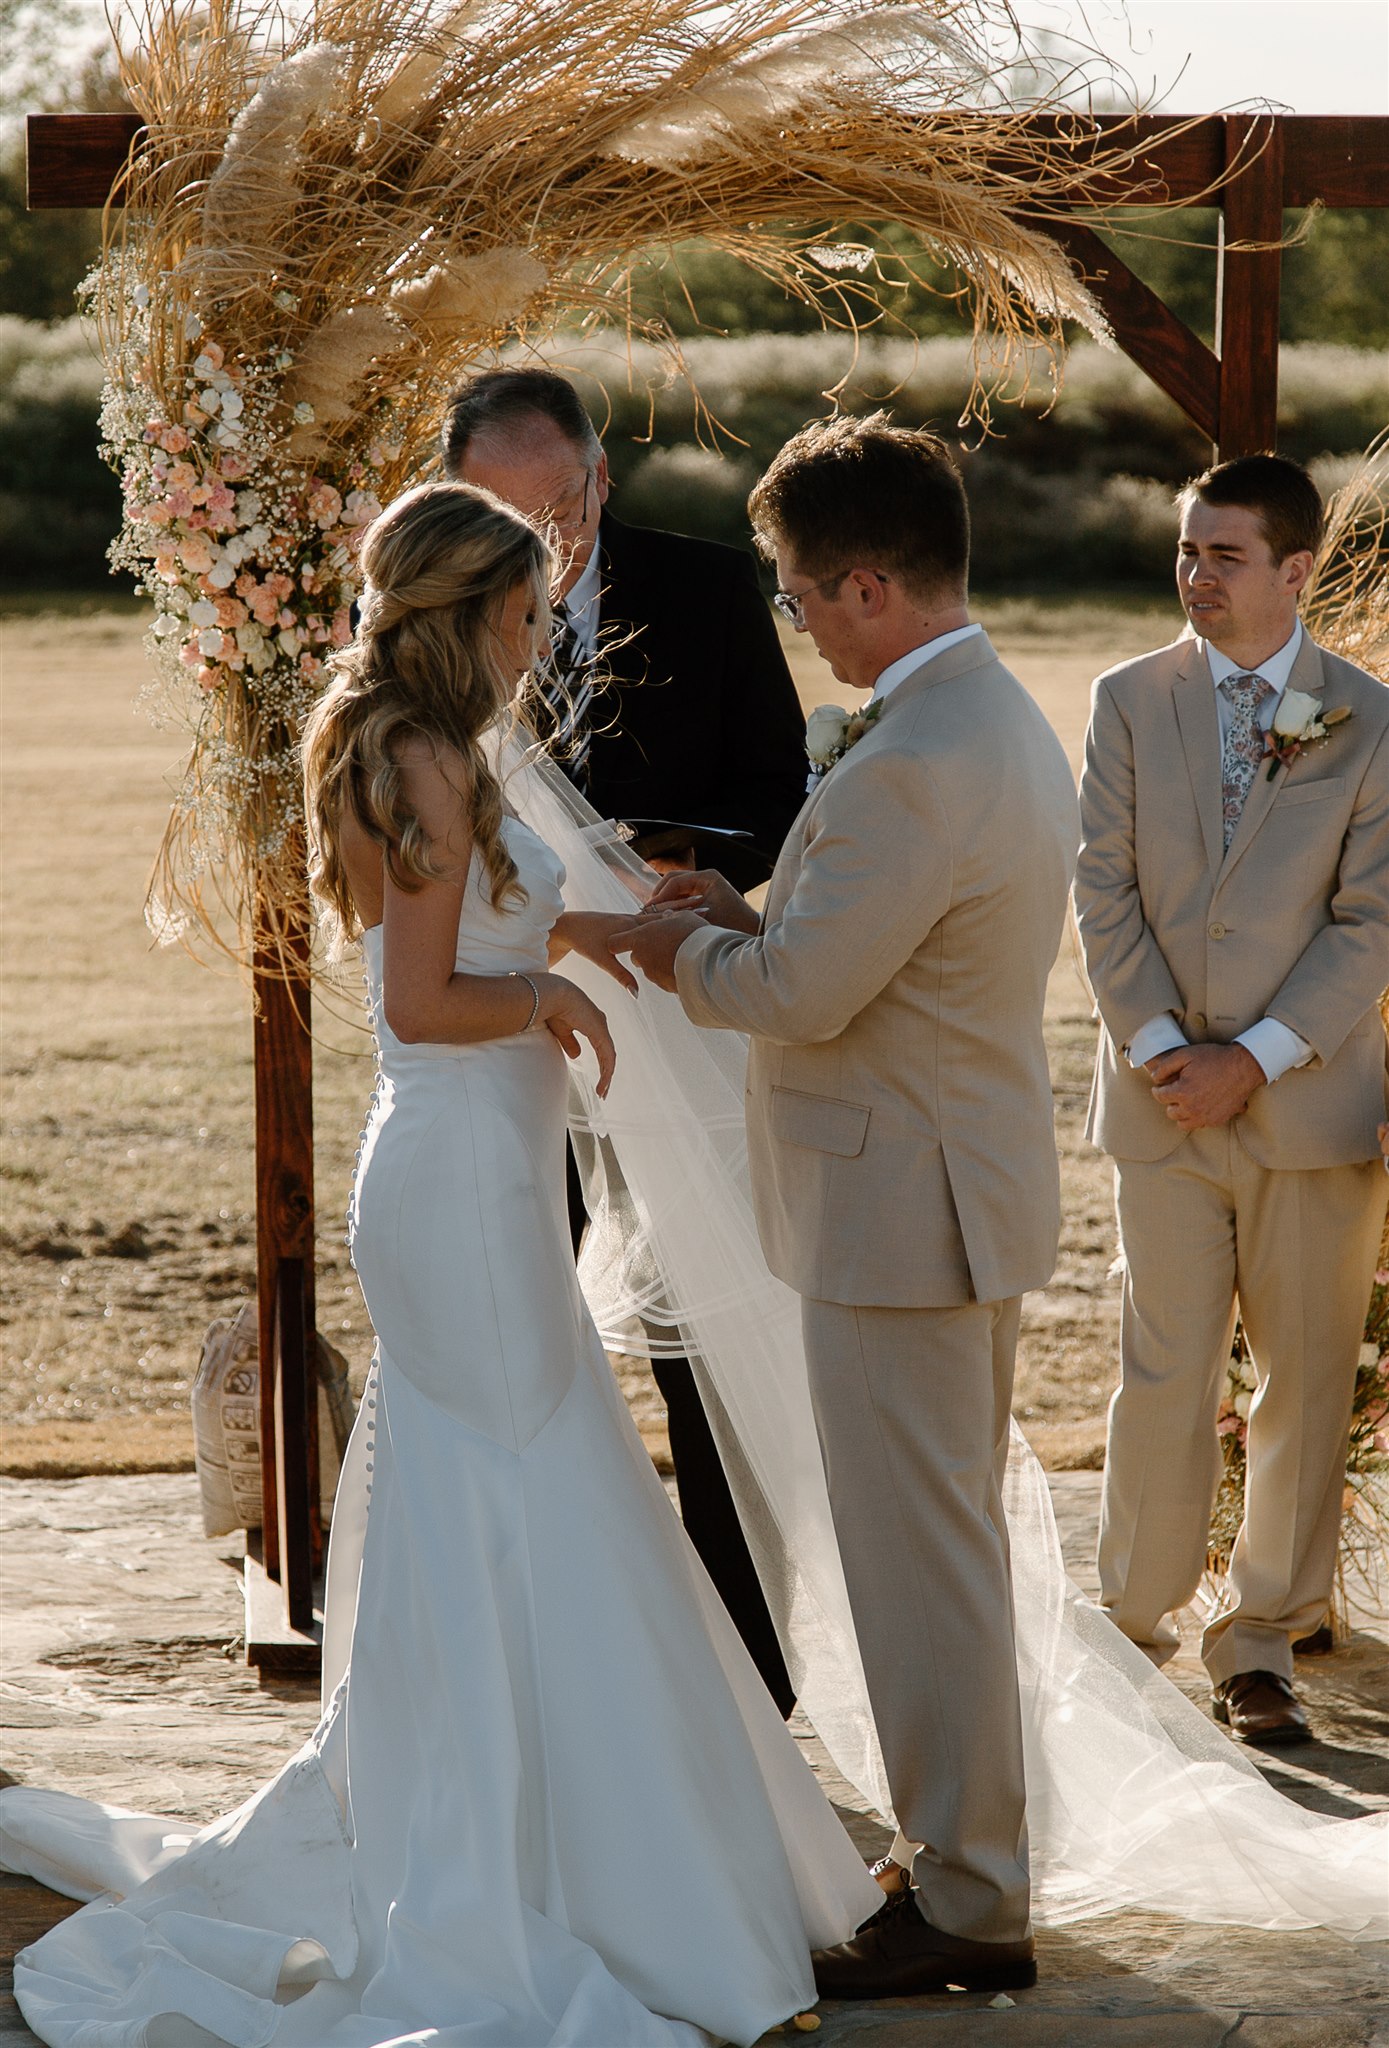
1198 1022
1215 931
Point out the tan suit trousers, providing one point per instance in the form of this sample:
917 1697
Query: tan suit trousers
1202 1229
912 1408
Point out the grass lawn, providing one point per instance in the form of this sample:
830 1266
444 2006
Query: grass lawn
126 1166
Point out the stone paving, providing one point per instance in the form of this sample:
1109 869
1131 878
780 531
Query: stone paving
121 1679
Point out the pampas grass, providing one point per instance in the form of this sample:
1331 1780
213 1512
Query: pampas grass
369 202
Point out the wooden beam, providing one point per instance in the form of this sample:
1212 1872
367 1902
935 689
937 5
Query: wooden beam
1147 330
1343 160
1247 286
75 159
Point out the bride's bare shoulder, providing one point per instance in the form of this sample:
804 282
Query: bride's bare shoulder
437 788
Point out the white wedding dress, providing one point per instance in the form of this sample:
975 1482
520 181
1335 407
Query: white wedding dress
549 1801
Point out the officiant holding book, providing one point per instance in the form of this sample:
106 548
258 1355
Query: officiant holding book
672 710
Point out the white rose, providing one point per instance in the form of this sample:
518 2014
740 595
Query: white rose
1296 713
1248 1376
209 399
210 643
1243 1402
222 574
1369 1357
203 613
824 733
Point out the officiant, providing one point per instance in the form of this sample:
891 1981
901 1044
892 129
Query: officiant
669 705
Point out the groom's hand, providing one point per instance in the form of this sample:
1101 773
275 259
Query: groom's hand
707 890
654 943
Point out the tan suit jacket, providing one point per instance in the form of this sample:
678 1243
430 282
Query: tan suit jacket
1292 922
899 1106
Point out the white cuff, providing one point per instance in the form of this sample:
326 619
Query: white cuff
1160 1034
1275 1046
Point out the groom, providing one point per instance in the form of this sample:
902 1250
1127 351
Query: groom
900 1140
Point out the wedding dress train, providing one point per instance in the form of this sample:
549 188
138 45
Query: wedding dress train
550 1801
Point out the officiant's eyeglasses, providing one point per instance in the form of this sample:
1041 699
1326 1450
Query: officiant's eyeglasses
789 602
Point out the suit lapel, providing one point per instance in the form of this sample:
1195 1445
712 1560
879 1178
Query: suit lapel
1264 792
1193 697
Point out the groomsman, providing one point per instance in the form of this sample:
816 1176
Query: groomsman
673 703
1233 899
900 1143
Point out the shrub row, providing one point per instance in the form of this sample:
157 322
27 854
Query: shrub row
1072 487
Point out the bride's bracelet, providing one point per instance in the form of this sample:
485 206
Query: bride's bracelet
516 975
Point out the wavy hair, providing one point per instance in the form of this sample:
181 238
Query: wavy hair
427 662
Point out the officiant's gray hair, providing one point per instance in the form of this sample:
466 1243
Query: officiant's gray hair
862 493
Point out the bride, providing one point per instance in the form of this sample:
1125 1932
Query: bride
549 1800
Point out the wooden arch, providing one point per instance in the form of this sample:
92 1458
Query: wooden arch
1253 166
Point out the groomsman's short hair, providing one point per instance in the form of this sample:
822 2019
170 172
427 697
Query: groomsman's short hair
504 400
1280 493
860 493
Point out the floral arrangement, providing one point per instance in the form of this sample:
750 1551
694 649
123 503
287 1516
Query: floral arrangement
332 217
249 559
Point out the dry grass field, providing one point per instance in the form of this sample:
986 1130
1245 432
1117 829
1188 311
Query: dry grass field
126 1167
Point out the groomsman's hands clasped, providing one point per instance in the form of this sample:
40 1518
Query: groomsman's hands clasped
1204 1086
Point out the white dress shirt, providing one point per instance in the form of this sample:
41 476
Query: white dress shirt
907 664
1274 1046
582 605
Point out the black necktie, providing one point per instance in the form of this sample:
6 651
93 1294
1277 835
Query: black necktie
566 688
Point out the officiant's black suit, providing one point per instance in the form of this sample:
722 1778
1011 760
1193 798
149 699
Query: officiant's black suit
698 722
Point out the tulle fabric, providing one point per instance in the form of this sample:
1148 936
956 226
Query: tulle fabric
1134 1797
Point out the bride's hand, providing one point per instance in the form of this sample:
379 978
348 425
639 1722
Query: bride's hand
570 1015
586 932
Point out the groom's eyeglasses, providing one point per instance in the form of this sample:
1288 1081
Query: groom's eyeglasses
790 602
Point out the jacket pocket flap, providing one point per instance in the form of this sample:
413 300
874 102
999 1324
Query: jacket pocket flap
822 1122
1308 792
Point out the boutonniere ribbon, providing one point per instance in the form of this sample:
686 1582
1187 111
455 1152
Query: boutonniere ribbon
830 731
1299 723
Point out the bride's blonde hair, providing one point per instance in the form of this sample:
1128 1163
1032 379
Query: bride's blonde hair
427 662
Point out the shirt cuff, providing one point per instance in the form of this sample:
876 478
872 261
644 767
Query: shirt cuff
1160 1034
1275 1047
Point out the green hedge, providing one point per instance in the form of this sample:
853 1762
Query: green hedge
1070 490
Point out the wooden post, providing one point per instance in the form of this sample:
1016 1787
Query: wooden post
291 1535
1247 286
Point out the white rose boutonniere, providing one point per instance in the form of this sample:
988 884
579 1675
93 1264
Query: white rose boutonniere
830 731
1298 723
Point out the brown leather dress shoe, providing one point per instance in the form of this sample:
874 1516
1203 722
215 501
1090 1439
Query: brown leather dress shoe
1261 1708
899 1954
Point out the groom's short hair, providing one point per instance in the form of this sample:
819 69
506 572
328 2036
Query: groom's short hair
1279 492
861 493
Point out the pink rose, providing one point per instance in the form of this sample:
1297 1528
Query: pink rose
179 504
231 612
340 632
173 440
234 467
196 555
210 678
158 514
166 568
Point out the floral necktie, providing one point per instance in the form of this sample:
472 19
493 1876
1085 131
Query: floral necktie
1244 745
566 688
